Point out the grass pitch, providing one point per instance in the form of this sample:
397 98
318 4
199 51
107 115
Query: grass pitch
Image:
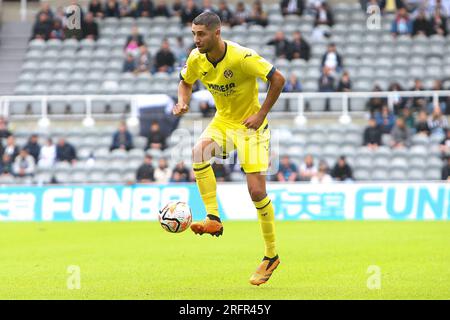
319 260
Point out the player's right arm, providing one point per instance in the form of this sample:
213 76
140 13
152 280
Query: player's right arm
188 76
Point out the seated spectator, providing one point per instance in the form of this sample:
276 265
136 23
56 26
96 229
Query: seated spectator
4 132
376 103
6 165
129 65
155 139
402 24
33 147
385 119
332 59
397 101
111 9
144 61
220 172
122 138
241 15
225 14
345 84
189 12
145 173
42 27
165 58
445 173
410 120
95 7
324 16
437 123
45 8
134 41
445 144
257 15
65 152
442 100
163 172
292 7
11 149
417 103
127 9
90 27
57 30
422 124
161 9
287 170
180 173
145 8
372 135
292 84
177 7
307 168
23 164
47 155
322 175
439 23
326 81
421 25
341 170
282 46
401 135
299 48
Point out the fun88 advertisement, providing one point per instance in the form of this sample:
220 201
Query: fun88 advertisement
356 201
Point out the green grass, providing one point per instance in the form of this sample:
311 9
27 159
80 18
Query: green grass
319 260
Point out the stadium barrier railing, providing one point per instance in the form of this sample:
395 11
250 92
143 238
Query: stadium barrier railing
301 99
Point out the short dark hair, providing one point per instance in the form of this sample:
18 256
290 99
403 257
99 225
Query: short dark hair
208 19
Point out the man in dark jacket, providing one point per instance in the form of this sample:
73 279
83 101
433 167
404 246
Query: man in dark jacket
122 138
292 7
90 27
33 147
145 172
282 46
165 59
300 49
341 170
65 151
372 135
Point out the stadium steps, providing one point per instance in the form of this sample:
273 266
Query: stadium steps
14 38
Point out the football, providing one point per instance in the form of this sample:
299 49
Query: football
175 217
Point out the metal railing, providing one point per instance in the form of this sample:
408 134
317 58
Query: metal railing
301 114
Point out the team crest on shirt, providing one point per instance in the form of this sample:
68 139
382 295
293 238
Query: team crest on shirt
228 74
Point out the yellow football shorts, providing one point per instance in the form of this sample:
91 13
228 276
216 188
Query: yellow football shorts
252 145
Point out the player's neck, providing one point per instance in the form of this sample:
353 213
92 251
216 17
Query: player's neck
217 53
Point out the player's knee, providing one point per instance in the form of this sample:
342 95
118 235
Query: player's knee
201 153
257 193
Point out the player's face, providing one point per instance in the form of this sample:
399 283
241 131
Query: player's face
205 39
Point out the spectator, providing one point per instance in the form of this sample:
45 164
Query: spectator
385 119
95 7
299 48
47 156
23 164
177 7
145 8
293 84
445 144
442 100
326 81
161 9
129 65
307 168
122 138
257 15
322 175
33 147
421 25
437 123
90 27
282 46
143 61
422 124
332 59
155 139
180 173
42 27
375 103
409 119
225 14
324 16
402 24
341 170
345 84
11 148
189 12
207 6
397 101
127 9
441 5
445 173
65 151
6 165
417 103
112 9
220 171
45 8
57 30
134 41
401 135
287 170
165 59
4 132
241 15
163 172
439 23
146 172
292 7
372 135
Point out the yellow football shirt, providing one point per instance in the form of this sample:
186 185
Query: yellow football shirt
231 80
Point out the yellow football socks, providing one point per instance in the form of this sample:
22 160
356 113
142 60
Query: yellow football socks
266 216
206 182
